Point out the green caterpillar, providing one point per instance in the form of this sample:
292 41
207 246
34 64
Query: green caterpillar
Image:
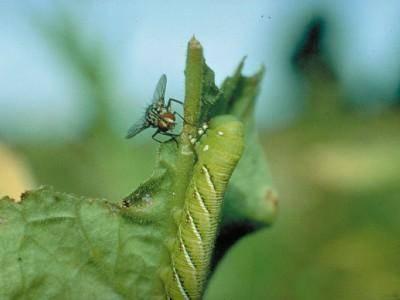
218 152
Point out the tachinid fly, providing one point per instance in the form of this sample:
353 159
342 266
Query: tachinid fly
158 115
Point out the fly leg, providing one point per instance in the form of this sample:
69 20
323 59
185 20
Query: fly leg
175 112
180 116
171 135
173 100
154 136
184 120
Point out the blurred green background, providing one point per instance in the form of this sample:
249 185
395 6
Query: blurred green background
75 76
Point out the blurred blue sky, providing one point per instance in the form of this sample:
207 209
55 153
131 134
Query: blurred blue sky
39 94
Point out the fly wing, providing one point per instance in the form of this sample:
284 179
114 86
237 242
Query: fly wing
136 128
159 92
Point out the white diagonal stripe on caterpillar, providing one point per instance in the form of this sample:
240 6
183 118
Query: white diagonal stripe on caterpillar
180 285
185 252
208 178
201 201
194 226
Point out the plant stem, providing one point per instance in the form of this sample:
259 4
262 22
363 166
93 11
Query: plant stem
193 90
186 156
193 84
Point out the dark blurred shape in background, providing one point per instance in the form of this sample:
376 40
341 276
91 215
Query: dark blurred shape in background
311 63
309 47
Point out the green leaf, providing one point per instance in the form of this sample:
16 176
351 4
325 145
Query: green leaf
54 245
250 195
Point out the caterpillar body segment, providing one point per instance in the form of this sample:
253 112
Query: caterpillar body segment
218 151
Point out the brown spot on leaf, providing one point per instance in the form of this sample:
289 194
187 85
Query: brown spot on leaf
272 197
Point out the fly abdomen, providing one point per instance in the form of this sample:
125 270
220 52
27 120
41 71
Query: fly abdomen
152 116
